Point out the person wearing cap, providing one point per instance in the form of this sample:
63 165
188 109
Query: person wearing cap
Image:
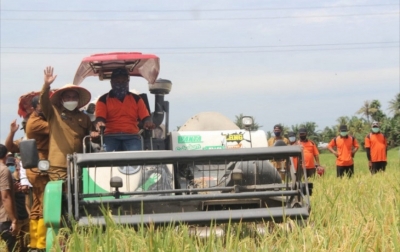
8 211
346 148
24 187
13 146
310 153
20 202
38 128
67 124
376 148
120 111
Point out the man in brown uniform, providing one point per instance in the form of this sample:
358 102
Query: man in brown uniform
37 128
278 164
8 210
68 126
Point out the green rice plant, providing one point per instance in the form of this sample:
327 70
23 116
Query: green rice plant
361 213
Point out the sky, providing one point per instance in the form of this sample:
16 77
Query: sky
283 62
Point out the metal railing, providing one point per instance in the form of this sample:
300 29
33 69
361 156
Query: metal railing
98 147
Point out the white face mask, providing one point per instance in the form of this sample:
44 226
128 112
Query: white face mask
70 105
292 139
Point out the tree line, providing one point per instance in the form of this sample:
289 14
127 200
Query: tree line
359 125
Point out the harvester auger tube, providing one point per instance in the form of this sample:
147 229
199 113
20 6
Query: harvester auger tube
160 88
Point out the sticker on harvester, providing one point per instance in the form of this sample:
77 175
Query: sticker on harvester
217 140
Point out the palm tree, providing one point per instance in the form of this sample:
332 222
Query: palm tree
394 105
378 115
367 110
295 128
327 134
357 125
343 120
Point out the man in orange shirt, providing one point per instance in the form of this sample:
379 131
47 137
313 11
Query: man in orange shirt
119 111
310 153
346 147
376 148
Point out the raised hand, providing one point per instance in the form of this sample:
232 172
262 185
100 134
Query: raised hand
14 126
48 76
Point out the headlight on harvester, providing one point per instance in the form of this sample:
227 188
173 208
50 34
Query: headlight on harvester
129 170
247 121
237 175
44 165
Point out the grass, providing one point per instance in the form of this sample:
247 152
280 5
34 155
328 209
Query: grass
357 214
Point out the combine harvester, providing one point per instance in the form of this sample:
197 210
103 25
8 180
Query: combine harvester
209 171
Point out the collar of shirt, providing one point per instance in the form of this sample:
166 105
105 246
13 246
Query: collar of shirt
112 95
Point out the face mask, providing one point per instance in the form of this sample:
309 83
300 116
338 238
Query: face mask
343 133
303 138
11 168
292 139
375 130
278 134
70 105
120 89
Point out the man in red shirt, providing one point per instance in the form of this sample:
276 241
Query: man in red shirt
376 148
346 147
310 153
119 111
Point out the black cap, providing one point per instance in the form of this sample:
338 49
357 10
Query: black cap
302 130
278 126
291 134
10 161
343 128
119 72
35 101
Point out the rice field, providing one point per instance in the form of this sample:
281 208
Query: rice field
357 214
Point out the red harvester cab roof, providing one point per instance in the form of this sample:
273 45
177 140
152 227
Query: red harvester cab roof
137 64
